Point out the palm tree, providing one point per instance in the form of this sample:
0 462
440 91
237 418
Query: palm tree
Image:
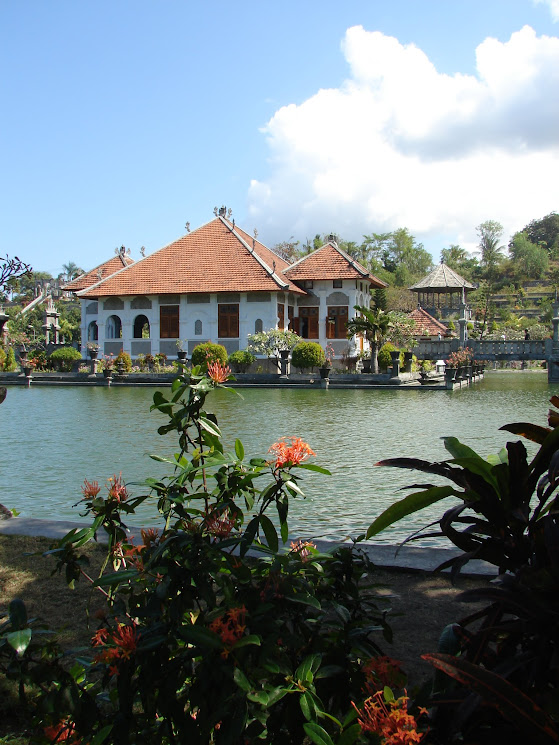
71 270
373 323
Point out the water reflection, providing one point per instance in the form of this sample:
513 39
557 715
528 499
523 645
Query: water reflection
53 438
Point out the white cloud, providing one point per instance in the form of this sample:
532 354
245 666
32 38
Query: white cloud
553 7
400 144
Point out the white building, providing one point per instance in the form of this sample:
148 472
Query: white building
220 284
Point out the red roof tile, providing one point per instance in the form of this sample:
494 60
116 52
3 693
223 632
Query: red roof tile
218 257
330 262
99 272
426 325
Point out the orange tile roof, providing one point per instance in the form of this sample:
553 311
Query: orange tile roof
99 272
330 262
218 257
426 325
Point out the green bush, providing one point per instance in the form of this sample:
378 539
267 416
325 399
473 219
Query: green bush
241 360
307 354
384 358
2 359
123 356
10 364
208 352
62 359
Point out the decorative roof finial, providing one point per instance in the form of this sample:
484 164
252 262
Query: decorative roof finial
223 211
187 227
142 251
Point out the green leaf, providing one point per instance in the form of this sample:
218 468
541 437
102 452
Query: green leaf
292 485
246 641
201 636
304 599
19 640
275 695
101 736
530 431
313 467
407 506
308 706
284 532
388 694
498 692
350 735
310 663
259 697
116 578
318 734
270 532
239 449
241 680
209 426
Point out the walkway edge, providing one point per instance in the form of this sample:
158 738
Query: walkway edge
409 558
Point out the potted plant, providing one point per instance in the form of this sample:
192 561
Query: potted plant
108 365
327 364
181 352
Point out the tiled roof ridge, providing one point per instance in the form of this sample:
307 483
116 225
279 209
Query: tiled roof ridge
270 270
95 269
355 264
111 276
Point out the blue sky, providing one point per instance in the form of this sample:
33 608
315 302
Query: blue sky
123 120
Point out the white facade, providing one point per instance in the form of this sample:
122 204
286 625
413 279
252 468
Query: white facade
120 321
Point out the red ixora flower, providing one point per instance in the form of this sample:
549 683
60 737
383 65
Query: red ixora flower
383 671
230 627
117 645
220 524
218 372
391 721
303 548
290 454
117 488
64 731
90 489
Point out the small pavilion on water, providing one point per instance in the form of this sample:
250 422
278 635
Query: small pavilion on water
442 291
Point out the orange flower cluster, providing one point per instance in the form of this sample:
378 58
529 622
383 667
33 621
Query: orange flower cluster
290 454
218 372
64 731
303 548
220 524
150 536
117 646
383 671
117 488
90 489
392 722
230 627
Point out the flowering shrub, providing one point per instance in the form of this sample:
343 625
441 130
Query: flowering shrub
463 356
215 631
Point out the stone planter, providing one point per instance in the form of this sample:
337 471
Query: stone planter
367 365
450 374
181 355
93 354
325 372
108 373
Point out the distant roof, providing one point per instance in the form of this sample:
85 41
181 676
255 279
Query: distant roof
217 257
330 262
99 272
443 279
426 325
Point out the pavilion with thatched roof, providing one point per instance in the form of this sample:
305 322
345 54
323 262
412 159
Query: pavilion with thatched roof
442 291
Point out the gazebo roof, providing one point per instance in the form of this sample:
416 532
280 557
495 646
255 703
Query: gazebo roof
442 279
426 325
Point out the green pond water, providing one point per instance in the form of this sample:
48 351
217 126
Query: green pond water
51 438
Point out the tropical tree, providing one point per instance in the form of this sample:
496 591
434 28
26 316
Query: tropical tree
544 232
530 260
373 323
489 233
71 270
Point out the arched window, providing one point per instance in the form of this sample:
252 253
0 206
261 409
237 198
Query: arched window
92 331
141 327
113 328
198 328
258 326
